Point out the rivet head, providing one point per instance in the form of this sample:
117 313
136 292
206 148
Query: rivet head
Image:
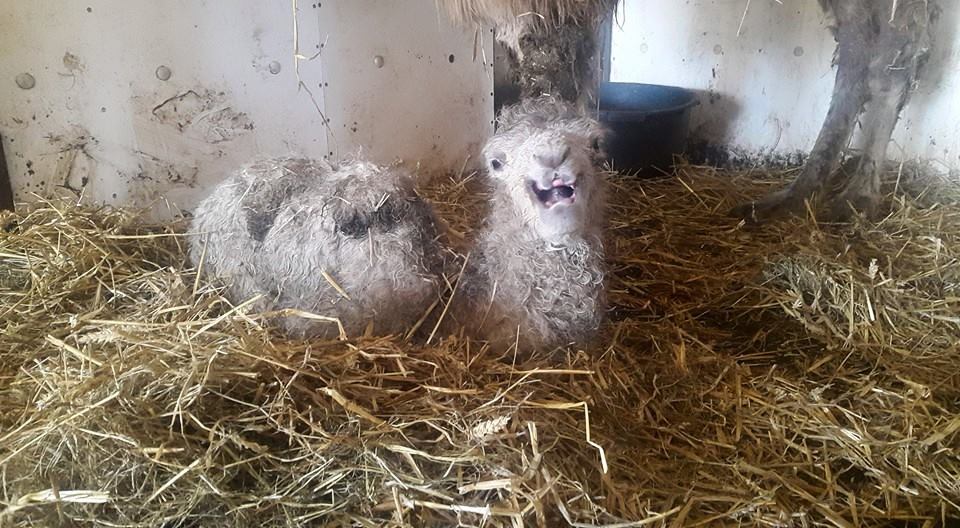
164 73
25 81
274 67
378 61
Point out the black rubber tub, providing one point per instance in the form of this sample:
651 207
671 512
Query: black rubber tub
649 122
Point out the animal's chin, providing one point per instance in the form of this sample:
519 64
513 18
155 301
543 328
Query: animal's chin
555 196
558 229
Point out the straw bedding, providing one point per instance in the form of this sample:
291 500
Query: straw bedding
794 375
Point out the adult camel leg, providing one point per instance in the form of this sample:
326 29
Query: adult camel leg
560 61
861 192
902 50
855 36
849 96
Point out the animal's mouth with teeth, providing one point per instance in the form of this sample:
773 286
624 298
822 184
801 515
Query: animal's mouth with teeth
558 193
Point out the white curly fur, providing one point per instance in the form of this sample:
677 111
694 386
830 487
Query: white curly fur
537 272
276 226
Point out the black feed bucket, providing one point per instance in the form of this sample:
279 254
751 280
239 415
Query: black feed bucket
649 123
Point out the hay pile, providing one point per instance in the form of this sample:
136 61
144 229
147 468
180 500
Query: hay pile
795 375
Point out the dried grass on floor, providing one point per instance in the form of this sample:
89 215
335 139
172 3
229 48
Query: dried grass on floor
794 375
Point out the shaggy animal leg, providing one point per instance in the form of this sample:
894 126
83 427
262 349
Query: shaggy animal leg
848 98
901 50
561 62
855 34
861 193
553 43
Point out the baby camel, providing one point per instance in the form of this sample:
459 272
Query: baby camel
536 276
353 242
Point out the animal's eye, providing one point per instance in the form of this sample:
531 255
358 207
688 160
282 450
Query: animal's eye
496 164
595 144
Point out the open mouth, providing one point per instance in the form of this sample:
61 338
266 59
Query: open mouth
559 193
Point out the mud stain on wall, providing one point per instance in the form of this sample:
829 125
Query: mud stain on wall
205 113
75 161
72 63
155 176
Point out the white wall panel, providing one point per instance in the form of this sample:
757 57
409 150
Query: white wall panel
100 119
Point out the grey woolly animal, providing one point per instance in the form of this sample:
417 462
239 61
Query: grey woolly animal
353 242
537 273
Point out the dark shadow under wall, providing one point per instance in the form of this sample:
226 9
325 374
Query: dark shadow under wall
6 188
712 142
505 89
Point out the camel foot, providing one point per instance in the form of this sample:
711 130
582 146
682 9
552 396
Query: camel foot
850 204
774 206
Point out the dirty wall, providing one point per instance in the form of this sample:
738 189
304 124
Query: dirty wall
153 102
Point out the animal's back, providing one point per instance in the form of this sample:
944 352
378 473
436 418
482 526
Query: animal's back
232 222
353 242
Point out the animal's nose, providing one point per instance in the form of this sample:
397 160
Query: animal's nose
560 181
553 156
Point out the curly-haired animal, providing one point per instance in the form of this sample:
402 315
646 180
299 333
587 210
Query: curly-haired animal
536 274
353 242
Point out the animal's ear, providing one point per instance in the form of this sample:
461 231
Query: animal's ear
496 160
599 138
